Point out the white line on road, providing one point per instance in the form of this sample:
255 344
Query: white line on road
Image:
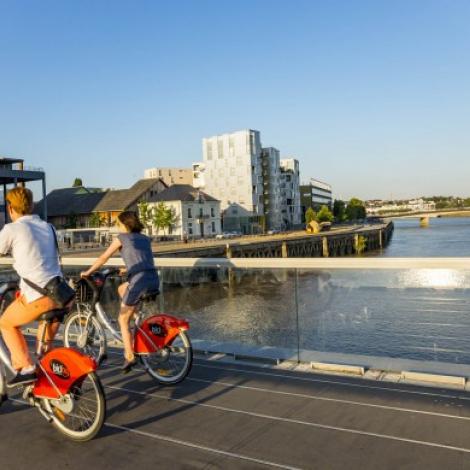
297 421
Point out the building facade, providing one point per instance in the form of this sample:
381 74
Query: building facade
197 215
291 209
272 200
232 172
171 175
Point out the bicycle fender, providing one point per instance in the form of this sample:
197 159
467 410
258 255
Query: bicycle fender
158 332
64 367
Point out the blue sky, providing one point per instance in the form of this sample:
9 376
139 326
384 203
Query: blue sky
371 96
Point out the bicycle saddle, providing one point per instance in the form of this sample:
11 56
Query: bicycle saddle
57 314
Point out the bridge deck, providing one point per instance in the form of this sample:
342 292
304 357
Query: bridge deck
240 416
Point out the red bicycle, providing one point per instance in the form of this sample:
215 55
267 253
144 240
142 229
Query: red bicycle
67 391
161 342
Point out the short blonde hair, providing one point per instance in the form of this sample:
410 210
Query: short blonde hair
21 200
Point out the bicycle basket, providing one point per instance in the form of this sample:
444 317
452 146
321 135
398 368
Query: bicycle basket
83 293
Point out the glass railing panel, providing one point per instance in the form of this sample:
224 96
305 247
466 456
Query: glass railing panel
247 312
364 315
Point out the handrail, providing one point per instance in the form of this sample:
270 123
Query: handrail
287 263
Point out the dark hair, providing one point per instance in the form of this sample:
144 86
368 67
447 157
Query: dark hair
131 221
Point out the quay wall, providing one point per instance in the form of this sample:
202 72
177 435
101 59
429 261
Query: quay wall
328 244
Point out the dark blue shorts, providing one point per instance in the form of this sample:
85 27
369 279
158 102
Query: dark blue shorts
140 284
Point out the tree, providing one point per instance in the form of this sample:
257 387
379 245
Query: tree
170 218
339 210
325 215
145 214
77 182
95 220
310 215
160 216
355 209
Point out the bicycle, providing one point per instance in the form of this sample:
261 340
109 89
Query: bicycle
67 392
160 341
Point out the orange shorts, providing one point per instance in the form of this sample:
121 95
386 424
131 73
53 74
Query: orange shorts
18 314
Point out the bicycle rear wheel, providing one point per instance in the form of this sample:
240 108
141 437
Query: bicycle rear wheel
171 364
80 414
85 334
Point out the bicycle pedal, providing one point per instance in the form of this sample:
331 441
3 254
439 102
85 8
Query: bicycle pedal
28 394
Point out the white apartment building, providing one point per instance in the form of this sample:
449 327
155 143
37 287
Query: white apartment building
272 200
197 213
232 172
322 194
291 208
171 176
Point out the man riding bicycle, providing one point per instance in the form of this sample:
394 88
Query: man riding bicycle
32 244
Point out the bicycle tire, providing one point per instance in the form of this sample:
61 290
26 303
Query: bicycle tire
155 366
97 352
59 417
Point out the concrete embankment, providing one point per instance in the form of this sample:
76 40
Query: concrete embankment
338 242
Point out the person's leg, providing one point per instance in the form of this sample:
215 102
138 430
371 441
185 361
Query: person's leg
48 336
122 289
18 314
125 316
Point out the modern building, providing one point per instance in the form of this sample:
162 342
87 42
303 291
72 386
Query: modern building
196 213
171 175
291 209
232 172
315 194
272 198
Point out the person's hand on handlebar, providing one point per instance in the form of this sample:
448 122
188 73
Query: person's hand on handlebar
122 271
84 274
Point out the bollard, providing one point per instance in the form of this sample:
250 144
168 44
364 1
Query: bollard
325 252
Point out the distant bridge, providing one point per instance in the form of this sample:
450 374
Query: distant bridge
425 216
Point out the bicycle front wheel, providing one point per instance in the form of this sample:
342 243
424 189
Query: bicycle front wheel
171 364
80 413
85 333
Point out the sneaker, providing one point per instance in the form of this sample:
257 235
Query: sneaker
22 379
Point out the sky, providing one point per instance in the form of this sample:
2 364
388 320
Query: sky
371 96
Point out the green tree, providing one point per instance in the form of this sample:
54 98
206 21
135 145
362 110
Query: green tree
339 210
77 182
310 215
160 216
96 220
355 209
145 214
170 218
325 215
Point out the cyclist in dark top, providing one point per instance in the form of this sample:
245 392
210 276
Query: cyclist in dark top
142 276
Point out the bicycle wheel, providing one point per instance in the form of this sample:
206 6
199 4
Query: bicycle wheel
171 364
80 414
86 335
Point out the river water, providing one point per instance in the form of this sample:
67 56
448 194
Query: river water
408 314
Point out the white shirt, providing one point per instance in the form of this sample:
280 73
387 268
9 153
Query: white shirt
32 245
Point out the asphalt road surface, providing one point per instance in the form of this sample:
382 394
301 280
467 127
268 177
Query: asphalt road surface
237 416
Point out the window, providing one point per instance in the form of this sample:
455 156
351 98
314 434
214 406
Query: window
220 149
212 212
209 150
201 212
213 227
190 215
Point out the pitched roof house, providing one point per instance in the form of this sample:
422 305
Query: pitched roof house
73 207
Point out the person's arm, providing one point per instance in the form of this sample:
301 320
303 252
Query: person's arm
115 245
5 241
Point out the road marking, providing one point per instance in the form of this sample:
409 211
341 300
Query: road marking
298 421
316 397
328 381
335 400
192 445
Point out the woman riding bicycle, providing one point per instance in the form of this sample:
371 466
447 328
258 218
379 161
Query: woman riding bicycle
32 244
142 276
